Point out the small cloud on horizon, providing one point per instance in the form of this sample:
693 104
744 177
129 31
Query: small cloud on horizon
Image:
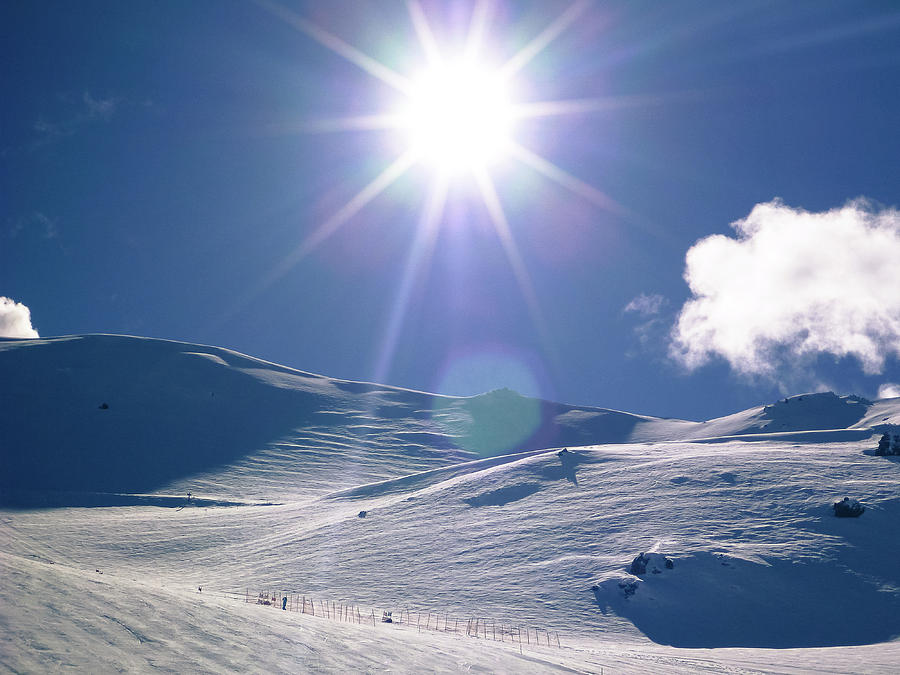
793 285
15 320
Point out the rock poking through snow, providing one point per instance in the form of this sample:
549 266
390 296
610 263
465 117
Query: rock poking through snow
650 563
848 508
888 445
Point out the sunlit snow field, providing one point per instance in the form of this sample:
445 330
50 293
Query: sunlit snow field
470 511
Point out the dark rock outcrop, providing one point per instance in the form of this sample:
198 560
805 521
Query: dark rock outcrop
848 508
650 563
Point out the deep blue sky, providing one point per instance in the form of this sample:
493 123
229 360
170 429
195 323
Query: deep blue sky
153 175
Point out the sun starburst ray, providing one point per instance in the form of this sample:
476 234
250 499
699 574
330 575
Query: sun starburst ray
423 32
372 66
380 183
580 106
564 178
481 15
545 37
514 257
374 122
419 255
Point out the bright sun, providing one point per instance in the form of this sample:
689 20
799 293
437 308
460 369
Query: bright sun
458 116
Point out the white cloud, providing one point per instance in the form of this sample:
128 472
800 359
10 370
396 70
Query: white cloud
792 285
651 331
646 305
101 107
15 319
37 221
889 390
88 110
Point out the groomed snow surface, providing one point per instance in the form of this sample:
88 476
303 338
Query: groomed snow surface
470 511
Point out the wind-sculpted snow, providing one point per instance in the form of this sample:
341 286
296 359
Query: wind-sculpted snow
527 536
119 414
108 413
520 542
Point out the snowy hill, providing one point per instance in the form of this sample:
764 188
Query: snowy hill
469 511
174 410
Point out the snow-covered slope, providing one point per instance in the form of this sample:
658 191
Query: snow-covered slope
121 414
113 413
455 522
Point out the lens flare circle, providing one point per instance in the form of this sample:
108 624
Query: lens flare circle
459 116
488 423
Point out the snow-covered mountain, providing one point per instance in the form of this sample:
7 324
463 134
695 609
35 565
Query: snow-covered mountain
125 414
469 510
